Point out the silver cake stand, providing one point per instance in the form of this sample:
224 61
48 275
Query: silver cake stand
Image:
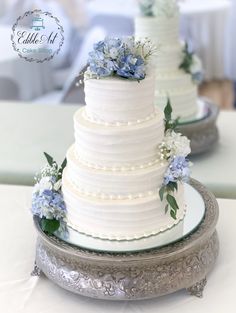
134 276
202 130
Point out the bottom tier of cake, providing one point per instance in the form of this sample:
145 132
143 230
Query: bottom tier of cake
119 219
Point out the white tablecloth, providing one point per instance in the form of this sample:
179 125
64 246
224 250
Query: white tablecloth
33 79
20 293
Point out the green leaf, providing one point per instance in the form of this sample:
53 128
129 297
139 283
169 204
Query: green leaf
172 202
63 165
166 208
49 158
173 214
168 110
161 192
49 226
172 186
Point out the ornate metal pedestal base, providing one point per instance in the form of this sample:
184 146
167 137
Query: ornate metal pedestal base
203 133
132 276
197 289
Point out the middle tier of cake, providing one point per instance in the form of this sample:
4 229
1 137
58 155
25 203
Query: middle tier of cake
118 145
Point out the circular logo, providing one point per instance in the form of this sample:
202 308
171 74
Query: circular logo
37 36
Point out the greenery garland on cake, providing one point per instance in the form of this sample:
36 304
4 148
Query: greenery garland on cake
159 8
191 64
174 149
47 199
121 57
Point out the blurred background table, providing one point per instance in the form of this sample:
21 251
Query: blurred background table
33 294
217 169
26 131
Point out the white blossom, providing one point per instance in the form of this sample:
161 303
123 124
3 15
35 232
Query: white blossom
196 66
44 184
174 144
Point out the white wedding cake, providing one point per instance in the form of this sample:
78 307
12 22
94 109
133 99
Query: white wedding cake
160 23
116 168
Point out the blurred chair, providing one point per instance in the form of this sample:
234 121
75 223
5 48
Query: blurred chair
115 25
69 88
8 89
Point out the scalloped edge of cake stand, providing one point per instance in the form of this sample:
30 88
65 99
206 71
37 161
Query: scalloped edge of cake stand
134 276
203 133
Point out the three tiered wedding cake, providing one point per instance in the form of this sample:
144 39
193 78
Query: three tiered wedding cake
174 66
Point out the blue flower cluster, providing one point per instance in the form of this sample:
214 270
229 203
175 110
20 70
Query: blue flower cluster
178 170
115 56
48 204
197 77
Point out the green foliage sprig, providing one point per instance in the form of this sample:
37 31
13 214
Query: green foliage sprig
170 124
166 191
187 60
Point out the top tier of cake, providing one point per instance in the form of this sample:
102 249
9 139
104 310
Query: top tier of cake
119 101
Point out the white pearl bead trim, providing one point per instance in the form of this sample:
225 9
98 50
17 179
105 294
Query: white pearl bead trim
119 169
102 196
117 124
128 238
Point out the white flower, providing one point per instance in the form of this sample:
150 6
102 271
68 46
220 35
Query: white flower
176 144
196 66
44 184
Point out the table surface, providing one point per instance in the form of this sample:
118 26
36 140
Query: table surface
27 130
217 168
33 294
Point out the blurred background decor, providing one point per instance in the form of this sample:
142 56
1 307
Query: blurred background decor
37 101
207 26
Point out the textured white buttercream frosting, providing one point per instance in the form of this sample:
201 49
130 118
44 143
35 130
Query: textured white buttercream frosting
113 175
118 219
109 146
170 81
119 100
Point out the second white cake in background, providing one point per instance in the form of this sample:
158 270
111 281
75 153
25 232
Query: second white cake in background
176 69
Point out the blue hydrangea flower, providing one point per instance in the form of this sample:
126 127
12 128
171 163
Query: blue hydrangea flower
131 67
48 204
178 170
197 77
99 65
115 56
